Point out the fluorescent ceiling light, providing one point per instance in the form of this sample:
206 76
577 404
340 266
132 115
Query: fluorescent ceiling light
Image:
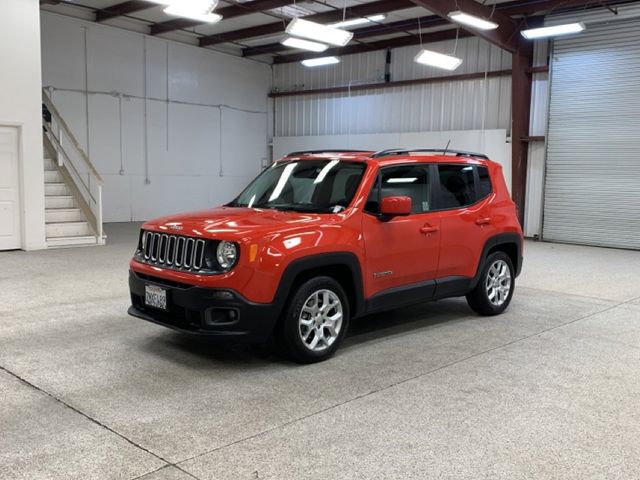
553 31
316 62
435 59
359 21
321 33
304 44
187 12
472 20
200 10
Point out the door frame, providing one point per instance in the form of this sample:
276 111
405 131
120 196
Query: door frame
19 126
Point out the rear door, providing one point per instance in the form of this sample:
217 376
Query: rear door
404 250
463 198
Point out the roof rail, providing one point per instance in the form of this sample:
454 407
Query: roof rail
311 152
404 151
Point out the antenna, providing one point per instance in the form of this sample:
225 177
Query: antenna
446 148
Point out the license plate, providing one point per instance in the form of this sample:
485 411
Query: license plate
155 297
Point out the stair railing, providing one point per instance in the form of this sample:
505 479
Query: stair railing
75 164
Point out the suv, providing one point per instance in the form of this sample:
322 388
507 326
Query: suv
322 237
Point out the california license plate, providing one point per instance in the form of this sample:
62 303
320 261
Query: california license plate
155 297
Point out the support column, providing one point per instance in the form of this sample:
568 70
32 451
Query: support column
522 60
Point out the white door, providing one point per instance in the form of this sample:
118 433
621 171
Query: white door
9 189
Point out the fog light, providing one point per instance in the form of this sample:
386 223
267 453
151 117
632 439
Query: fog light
222 295
221 316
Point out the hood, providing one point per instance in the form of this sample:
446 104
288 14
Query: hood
231 223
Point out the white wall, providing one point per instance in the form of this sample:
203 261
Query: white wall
170 127
20 101
444 106
492 142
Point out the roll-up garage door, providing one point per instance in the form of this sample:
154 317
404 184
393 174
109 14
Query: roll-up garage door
592 185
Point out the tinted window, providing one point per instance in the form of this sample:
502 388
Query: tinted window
457 188
484 186
410 181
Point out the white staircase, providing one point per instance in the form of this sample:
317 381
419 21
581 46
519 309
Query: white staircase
72 187
65 223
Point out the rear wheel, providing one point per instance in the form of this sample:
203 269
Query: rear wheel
315 321
494 290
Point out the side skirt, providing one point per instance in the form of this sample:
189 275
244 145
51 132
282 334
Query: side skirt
418 293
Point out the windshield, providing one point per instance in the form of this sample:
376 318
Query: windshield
322 186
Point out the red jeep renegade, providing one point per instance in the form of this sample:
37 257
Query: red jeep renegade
319 238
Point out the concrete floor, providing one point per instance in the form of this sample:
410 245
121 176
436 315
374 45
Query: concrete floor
550 389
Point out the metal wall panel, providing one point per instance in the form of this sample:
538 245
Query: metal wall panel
453 105
592 192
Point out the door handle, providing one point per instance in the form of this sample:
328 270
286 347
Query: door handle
428 229
483 221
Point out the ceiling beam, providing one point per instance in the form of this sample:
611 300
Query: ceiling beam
516 7
227 12
396 42
531 7
394 84
361 10
123 8
505 36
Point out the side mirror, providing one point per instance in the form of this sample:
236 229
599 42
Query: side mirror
395 206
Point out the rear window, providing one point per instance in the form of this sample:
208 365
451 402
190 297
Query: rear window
457 186
484 182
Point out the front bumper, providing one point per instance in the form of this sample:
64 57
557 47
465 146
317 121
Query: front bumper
216 313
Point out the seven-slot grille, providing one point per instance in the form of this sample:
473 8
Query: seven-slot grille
172 251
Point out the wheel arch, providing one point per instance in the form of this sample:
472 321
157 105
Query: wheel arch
509 243
344 267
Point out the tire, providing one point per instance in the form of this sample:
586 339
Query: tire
304 333
493 293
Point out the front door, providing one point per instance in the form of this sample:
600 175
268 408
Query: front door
403 251
9 190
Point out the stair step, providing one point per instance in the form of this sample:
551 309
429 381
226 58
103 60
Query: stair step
61 242
53 176
54 215
55 189
67 229
49 164
59 201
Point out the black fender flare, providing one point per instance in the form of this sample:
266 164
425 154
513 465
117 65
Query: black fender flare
500 239
301 265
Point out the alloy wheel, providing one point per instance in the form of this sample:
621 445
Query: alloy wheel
498 283
320 320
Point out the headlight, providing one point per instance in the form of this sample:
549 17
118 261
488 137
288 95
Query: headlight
227 254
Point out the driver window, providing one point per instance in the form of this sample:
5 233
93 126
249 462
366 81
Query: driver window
407 180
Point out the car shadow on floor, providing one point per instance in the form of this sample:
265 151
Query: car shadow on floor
364 330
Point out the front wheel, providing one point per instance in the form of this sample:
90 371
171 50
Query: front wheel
315 321
494 290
